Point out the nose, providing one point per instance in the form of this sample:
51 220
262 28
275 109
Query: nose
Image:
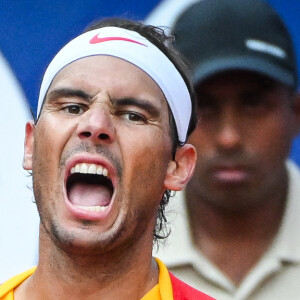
229 132
96 124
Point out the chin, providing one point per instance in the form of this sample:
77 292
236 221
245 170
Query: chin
86 239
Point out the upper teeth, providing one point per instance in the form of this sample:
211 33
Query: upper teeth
85 168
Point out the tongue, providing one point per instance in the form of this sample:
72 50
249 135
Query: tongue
86 194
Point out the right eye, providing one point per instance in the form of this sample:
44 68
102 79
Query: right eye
207 107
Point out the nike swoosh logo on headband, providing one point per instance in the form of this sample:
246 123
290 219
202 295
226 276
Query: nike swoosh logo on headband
96 40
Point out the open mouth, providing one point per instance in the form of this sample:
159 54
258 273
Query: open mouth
89 187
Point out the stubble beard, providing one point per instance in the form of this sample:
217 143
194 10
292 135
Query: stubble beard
84 242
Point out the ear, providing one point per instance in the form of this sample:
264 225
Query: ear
181 169
28 145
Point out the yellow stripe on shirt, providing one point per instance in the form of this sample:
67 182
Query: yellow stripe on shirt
162 291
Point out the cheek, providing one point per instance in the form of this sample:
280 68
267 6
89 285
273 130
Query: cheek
146 165
51 136
202 139
43 159
49 144
273 137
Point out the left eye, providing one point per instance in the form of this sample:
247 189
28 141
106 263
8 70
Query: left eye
134 117
73 109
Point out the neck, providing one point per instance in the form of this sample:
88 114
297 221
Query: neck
120 275
234 240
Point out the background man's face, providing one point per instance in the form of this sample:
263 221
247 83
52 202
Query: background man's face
100 112
243 137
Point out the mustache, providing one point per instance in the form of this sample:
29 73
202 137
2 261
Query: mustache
93 149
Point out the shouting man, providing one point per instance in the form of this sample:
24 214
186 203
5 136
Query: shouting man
114 113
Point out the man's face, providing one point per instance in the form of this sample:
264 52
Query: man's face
106 117
243 137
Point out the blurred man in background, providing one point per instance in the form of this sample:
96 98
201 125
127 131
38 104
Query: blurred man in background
237 233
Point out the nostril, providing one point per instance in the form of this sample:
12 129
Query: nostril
86 134
103 136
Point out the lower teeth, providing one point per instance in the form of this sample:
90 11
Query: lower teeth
95 208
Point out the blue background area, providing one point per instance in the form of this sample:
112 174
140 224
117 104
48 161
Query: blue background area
290 12
33 31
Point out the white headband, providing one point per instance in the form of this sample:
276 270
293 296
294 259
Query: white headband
134 48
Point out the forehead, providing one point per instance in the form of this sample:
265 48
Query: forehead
245 91
230 85
115 76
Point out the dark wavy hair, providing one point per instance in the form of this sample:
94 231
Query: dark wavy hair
161 40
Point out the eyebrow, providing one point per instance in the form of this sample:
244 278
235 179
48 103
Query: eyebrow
141 103
202 96
66 92
126 101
